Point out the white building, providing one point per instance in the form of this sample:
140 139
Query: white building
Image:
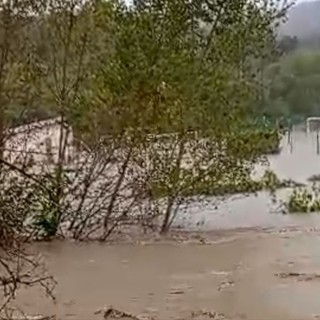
41 140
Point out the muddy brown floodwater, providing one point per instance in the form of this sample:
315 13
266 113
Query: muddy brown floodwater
270 275
298 161
254 276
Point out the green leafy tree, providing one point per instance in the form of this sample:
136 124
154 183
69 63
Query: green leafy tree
181 66
157 92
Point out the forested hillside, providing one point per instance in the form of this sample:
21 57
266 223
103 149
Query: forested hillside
292 82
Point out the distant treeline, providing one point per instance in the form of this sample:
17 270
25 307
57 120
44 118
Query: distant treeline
291 82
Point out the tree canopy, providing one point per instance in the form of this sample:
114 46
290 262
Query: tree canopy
293 85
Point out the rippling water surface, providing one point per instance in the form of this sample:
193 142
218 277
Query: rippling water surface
298 161
237 277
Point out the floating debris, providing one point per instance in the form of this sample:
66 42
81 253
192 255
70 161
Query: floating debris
204 315
225 284
111 313
299 276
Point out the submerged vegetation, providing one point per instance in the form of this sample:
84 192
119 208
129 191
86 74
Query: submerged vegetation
150 104
117 77
264 133
240 182
268 140
305 199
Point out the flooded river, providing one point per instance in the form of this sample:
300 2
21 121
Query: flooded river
298 161
249 275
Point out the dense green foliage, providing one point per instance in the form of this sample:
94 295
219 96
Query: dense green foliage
293 85
140 49
160 90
